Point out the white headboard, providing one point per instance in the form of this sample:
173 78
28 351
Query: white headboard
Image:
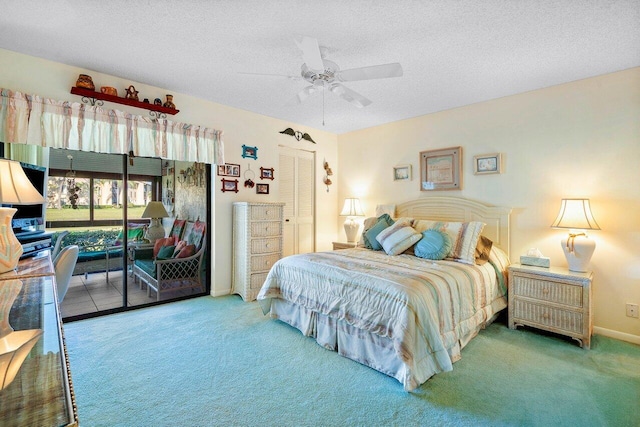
441 208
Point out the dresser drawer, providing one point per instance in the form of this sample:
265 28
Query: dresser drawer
266 213
549 317
266 228
263 262
547 290
263 246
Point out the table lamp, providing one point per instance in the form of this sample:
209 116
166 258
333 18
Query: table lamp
155 211
575 214
15 189
351 209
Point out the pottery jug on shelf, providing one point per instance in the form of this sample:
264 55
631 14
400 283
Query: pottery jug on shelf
85 81
169 103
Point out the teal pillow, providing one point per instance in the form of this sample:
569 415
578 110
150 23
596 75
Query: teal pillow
370 235
166 252
434 244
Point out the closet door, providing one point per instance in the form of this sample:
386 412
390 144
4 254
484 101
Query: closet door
297 171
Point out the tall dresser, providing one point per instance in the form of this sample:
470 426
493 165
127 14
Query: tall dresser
257 245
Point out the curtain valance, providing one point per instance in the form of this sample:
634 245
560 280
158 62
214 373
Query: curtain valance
30 119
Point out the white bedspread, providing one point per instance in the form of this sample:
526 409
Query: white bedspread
409 300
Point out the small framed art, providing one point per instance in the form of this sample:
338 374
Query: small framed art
402 173
229 169
262 188
266 173
487 163
229 185
441 169
250 152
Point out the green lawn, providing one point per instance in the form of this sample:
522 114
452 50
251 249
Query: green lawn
83 214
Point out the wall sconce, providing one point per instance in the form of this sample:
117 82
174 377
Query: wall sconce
576 215
192 176
327 173
351 209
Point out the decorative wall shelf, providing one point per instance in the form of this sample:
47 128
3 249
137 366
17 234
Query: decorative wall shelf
92 97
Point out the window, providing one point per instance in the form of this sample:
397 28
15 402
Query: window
96 200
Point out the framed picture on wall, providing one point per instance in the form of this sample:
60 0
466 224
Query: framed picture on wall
262 188
402 173
487 163
229 185
266 173
229 169
441 169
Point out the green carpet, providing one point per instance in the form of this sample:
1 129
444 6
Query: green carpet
219 361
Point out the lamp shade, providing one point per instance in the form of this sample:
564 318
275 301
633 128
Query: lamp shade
578 248
351 207
15 187
575 214
155 210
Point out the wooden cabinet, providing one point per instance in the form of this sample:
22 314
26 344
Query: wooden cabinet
554 299
257 245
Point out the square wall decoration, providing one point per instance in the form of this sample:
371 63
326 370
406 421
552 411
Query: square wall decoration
441 169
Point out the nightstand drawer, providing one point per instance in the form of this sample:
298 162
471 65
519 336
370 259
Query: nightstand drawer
549 317
263 246
265 213
265 229
264 262
547 290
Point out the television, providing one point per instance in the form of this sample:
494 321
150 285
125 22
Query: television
28 217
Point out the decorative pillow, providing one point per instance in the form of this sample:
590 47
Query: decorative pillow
160 243
483 249
434 244
134 233
187 251
178 228
179 246
464 237
398 238
166 252
369 235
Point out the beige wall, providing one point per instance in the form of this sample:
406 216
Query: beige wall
580 139
54 80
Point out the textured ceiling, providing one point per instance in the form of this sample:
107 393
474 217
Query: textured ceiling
453 53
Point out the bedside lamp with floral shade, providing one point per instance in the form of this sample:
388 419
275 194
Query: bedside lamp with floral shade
15 189
575 214
351 209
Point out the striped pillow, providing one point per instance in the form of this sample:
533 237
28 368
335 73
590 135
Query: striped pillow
398 238
464 237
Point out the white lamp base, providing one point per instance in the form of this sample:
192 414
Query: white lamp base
351 228
155 231
10 247
580 256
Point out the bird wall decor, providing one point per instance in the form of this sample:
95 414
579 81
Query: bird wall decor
297 134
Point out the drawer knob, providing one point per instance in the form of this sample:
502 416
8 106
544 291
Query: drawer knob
545 291
546 316
267 245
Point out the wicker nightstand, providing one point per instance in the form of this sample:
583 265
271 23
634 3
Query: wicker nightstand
343 245
554 299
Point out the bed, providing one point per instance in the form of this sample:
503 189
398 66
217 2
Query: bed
400 314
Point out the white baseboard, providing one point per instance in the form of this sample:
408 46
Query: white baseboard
634 339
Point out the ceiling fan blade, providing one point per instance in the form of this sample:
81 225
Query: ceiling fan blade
272 75
349 95
383 71
311 53
303 94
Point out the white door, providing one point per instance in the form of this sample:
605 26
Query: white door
297 172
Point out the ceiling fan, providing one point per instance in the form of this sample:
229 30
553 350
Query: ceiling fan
323 74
